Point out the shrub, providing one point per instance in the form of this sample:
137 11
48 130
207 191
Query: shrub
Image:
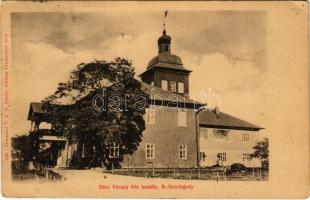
237 167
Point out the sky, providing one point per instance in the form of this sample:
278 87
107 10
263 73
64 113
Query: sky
226 50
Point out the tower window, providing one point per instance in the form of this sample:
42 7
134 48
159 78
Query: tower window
164 85
180 87
173 86
166 47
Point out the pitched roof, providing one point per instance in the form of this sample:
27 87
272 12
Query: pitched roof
35 108
212 119
158 95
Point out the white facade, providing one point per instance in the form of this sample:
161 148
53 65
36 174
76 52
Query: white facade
225 147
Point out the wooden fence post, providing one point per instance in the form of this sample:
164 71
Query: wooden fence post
174 174
46 174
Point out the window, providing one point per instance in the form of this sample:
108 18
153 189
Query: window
150 151
220 134
164 85
166 47
221 157
113 150
182 118
150 116
173 86
204 133
45 125
245 137
180 87
246 157
183 152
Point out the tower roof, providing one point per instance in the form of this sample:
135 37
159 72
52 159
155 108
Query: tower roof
164 38
165 59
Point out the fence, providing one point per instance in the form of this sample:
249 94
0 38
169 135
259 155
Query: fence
216 174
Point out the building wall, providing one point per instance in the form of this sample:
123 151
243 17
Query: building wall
172 76
166 135
233 145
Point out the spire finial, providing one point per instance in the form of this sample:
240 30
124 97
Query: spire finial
166 13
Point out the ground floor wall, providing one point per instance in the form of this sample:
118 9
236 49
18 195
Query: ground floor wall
226 147
168 142
165 156
211 158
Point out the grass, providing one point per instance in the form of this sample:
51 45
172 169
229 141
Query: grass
30 175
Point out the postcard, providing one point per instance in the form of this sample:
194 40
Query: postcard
155 99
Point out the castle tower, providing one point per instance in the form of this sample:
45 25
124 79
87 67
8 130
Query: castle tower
166 70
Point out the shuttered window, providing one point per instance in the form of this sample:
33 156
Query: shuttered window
182 118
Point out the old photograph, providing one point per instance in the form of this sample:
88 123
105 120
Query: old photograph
142 99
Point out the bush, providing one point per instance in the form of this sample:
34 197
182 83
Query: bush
237 167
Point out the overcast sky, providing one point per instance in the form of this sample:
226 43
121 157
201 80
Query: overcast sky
226 51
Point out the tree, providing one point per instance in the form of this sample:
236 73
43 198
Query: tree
22 153
120 122
261 151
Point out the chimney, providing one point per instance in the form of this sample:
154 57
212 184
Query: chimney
217 110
